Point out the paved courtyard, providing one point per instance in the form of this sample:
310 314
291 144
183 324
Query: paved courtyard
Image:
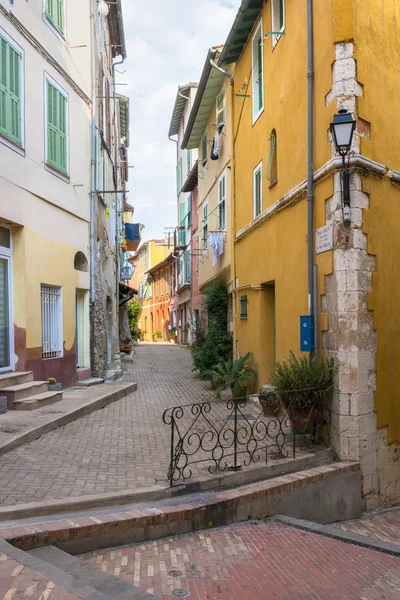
123 446
259 561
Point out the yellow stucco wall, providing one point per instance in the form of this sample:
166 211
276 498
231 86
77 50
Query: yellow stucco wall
276 250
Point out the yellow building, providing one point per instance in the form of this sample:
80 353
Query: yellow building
150 254
209 132
343 274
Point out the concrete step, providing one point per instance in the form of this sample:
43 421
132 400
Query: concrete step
15 378
37 401
23 390
89 575
90 382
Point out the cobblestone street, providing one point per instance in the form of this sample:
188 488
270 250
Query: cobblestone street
124 446
254 561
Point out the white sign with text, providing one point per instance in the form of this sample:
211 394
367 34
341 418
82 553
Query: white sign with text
323 239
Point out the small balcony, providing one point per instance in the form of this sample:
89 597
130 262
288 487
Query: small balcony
132 236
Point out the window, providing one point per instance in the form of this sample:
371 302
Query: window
162 283
188 274
189 212
188 161
108 113
141 260
157 284
278 20
220 110
140 290
182 219
222 202
204 150
166 281
257 189
57 126
205 226
52 343
272 168
258 74
145 255
54 11
243 307
11 90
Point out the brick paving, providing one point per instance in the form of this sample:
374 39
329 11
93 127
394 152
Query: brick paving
254 561
18 581
381 525
123 446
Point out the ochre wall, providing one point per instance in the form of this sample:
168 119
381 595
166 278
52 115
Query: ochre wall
276 250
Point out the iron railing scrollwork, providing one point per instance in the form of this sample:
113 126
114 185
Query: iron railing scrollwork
230 435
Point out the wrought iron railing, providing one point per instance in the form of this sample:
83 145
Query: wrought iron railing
229 435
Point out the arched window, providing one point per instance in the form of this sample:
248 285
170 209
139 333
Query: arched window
80 262
272 167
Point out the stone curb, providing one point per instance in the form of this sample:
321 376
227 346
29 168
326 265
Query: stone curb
76 413
339 534
85 534
158 492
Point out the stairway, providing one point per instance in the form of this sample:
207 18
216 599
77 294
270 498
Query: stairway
25 394
87 577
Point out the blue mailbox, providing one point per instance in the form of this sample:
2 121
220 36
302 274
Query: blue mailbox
307 333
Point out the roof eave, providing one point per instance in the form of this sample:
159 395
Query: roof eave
229 54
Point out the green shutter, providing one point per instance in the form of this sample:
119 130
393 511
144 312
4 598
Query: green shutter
55 13
60 15
257 184
188 161
10 92
56 128
50 9
260 75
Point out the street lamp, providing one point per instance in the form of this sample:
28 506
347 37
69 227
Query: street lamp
342 130
102 8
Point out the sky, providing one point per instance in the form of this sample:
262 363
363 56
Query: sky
167 44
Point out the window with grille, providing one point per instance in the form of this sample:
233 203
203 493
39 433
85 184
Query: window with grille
278 20
272 167
257 190
54 11
222 202
258 73
162 283
204 150
220 110
52 344
57 126
11 85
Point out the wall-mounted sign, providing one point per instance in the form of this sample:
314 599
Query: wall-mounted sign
324 239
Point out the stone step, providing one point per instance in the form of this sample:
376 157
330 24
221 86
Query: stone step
23 390
89 575
90 382
37 401
15 378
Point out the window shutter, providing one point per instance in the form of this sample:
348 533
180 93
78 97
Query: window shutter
188 161
56 128
60 15
50 9
258 192
204 150
221 110
3 84
281 14
260 75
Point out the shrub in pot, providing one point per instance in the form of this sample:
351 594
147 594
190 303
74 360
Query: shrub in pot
302 385
235 374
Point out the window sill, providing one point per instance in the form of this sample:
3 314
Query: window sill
257 116
274 182
12 145
54 171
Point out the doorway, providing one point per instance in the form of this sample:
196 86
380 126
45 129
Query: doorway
6 319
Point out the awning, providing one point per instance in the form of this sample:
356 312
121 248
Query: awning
126 293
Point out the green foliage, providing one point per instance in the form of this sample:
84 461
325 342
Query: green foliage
214 344
134 309
235 374
312 375
157 335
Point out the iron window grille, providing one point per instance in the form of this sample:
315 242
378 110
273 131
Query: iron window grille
243 307
51 322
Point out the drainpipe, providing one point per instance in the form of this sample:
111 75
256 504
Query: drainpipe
93 184
230 77
312 308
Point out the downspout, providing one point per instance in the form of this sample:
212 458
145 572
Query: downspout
93 186
230 77
310 174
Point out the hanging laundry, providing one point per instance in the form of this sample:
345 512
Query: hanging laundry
216 242
215 147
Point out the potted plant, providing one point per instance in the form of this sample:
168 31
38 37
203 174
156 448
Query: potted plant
302 386
157 335
235 374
